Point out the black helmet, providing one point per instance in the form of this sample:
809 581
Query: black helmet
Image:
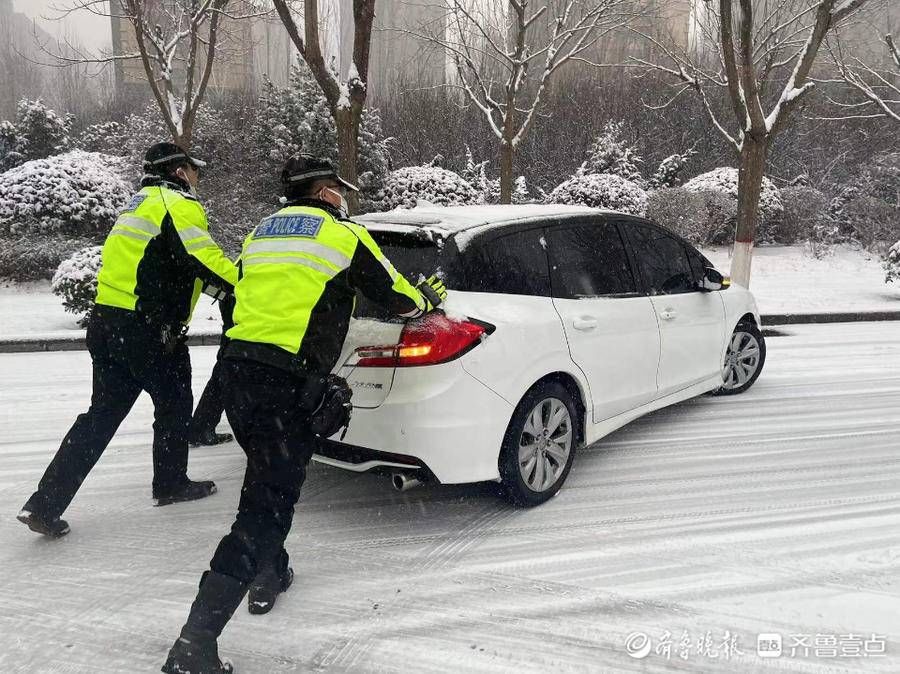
162 157
304 168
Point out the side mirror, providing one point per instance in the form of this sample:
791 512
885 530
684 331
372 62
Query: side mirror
713 280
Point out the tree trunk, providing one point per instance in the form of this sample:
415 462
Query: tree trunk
184 138
347 122
507 155
750 177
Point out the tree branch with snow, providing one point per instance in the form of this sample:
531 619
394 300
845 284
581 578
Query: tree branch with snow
346 95
876 86
762 46
177 43
505 54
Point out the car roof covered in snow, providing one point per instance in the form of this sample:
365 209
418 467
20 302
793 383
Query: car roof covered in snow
449 220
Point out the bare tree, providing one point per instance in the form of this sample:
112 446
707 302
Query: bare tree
878 87
505 54
346 97
176 42
762 62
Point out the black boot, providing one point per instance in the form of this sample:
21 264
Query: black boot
209 438
184 491
196 651
55 528
266 587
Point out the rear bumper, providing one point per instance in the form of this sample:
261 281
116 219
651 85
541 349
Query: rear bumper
437 421
364 460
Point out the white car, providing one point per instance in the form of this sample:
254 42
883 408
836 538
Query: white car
562 324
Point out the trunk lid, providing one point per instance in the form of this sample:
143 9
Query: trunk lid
415 252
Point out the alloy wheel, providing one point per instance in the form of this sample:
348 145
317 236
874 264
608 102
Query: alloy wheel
741 360
545 444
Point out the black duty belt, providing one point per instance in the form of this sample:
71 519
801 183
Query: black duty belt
267 354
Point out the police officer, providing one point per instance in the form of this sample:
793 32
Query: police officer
299 271
154 261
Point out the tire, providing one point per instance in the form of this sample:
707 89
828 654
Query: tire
553 445
740 370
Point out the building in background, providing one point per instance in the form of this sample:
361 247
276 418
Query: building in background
21 75
258 48
235 53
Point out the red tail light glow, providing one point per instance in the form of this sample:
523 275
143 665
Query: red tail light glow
431 340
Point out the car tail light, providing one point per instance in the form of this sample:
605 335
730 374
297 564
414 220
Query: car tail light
431 340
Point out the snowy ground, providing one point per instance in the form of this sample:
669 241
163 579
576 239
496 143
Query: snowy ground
777 512
786 279
30 310
789 280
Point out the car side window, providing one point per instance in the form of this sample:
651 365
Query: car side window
698 263
512 264
588 261
663 260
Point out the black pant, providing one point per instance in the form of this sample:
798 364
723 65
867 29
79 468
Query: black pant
212 403
128 356
268 409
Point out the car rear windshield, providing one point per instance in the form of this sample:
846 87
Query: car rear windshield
414 254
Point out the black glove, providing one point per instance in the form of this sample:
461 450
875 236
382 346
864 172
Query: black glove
433 291
334 410
172 337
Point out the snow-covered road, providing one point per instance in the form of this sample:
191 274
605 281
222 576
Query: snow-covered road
773 512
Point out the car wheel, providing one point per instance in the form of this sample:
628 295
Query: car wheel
539 445
744 360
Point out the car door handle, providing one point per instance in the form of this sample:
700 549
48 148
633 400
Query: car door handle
584 323
668 314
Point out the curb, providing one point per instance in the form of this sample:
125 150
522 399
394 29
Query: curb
77 344
768 320
847 317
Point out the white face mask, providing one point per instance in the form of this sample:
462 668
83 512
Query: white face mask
191 187
343 208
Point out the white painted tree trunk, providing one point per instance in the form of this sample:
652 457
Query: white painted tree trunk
740 263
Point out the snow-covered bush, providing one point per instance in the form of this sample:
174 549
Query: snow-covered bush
892 264
475 173
12 146
868 209
725 180
106 137
874 222
611 153
805 216
703 218
297 119
601 191
76 282
679 211
32 258
410 184
668 173
881 178
38 132
73 193
141 130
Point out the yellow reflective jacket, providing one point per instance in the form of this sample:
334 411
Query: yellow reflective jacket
299 273
159 255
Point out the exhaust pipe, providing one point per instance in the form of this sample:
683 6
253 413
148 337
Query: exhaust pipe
404 481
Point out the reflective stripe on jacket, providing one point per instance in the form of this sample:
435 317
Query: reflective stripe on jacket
299 273
158 256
